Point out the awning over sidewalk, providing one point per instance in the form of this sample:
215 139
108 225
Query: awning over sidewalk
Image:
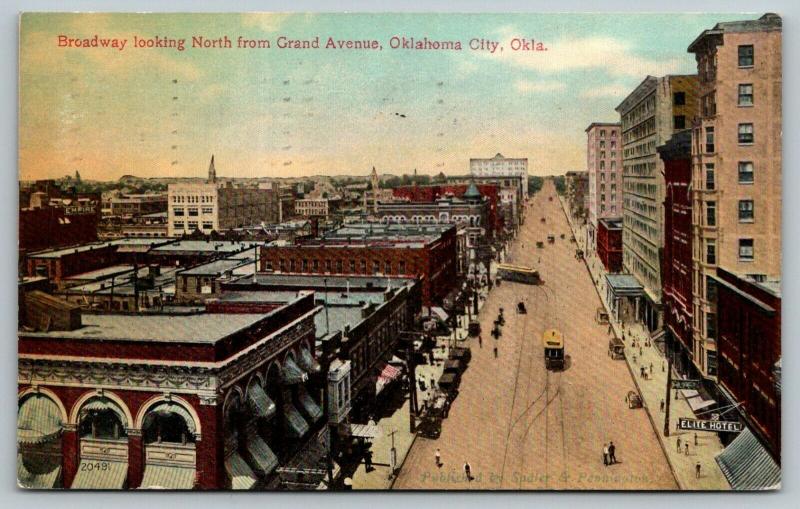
440 313
100 475
292 374
748 466
308 361
624 285
242 477
310 406
365 431
387 375
168 477
38 420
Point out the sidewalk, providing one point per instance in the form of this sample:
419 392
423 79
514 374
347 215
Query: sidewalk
653 391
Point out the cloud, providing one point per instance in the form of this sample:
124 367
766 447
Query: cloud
534 87
615 56
270 22
610 90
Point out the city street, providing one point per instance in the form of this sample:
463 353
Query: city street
522 427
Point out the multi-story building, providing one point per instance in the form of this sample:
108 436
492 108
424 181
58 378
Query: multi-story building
210 400
609 243
676 271
509 192
311 207
427 252
604 164
135 205
577 185
499 166
209 206
736 166
650 114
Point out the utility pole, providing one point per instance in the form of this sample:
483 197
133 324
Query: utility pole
413 404
326 367
669 384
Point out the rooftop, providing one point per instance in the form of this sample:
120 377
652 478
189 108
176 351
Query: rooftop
203 328
203 246
767 22
217 267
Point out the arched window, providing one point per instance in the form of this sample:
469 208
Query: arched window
101 418
168 422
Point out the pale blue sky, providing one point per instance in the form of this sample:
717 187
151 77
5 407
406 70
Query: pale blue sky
287 113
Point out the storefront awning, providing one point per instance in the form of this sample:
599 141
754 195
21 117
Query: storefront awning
101 404
440 313
308 362
292 374
387 375
242 477
365 431
310 406
262 458
259 403
748 466
28 476
100 475
295 424
38 420
163 477
167 408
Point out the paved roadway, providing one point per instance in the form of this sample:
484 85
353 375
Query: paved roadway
521 426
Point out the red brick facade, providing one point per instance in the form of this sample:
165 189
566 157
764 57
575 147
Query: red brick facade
749 345
429 194
609 246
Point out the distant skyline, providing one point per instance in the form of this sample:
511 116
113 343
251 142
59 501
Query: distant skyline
291 113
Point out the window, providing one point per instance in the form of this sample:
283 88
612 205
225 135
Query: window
327 265
710 177
745 134
178 225
178 212
746 55
746 250
315 265
208 225
746 95
711 325
402 268
208 210
711 359
679 122
711 289
193 212
710 140
376 266
745 172
711 213
711 252
746 212
679 98
602 133
192 225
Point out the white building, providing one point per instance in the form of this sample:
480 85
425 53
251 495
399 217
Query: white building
499 166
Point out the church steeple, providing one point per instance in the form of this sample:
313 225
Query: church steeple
212 172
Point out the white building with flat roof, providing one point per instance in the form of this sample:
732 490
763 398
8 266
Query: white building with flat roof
499 166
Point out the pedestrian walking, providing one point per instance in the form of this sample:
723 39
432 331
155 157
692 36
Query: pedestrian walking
663 368
634 358
697 470
605 454
480 341
662 405
438 458
495 351
695 439
679 445
641 371
612 449
686 448
468 471
641 353
651 369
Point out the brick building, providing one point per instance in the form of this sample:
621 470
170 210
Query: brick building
749 348
50 217
427 252
676 272
604 165
179 401
431 193
609 243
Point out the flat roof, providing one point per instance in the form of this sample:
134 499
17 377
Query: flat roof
205 328
102 273
317 281
220 246
623 282
59 252
217 267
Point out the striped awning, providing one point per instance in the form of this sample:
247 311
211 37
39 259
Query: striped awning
163 477
101 404
387 374
262 458
310 406
292 374
242 477
31 477
748 466
100 475
365 431
308 361
38 420
296 426
166 408
259 403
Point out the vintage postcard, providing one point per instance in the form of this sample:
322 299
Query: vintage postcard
399 251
